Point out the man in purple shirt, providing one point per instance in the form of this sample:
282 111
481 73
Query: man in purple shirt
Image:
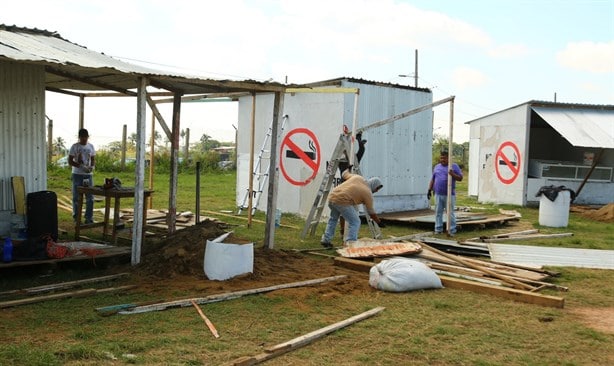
439 185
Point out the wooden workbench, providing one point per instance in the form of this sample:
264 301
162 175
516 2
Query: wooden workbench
117 194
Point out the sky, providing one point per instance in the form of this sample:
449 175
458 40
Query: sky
489 54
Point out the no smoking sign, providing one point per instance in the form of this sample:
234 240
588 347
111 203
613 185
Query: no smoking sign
300 151
507 162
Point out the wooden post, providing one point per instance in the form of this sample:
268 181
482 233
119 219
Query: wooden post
172 191
139 181
269 234
124 147
449 206
250 188
152 143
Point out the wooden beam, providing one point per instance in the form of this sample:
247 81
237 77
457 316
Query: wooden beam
63 295
405 114
322 90
354 264
76 77
298 342
207 321
156 112
62 91
226 296
508 293
62 285
492 273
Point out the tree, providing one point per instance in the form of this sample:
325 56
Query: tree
206 143
132 139
60 146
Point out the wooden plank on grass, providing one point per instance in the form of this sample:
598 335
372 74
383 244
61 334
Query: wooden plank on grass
509 293
207 321
298 342
63 295
62 285
354 264
226 296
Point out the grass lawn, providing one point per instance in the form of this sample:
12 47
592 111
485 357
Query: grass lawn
432 327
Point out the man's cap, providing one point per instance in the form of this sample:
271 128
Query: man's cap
83 133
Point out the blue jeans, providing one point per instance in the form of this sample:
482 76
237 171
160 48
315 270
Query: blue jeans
77 181
350 214
440 205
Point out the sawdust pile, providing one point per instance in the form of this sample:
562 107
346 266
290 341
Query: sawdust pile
604 214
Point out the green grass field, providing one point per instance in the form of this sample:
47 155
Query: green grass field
433 327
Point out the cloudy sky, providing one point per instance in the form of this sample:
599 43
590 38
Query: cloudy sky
490 54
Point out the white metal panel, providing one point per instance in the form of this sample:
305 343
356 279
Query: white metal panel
22 126
581 127
474 160
550 256
497 131
399 153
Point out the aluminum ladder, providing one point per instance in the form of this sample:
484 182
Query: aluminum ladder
261 177
340 154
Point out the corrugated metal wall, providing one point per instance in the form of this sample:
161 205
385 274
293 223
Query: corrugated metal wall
399 152
22 126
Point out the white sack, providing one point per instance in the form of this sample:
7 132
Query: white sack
401 275
224 261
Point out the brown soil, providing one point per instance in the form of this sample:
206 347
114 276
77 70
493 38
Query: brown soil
604 214
176 263
601 319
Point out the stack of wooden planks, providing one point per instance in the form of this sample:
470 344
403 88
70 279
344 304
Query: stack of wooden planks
500 279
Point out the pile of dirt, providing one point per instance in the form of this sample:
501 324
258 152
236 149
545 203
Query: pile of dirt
181 255
182 252
604 214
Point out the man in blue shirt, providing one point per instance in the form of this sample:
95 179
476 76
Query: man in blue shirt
439 185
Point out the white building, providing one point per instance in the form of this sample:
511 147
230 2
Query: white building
515 152
398 152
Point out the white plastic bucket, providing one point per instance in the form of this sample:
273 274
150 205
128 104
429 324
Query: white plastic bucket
554 214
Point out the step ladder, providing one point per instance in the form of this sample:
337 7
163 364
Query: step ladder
340 154
261 176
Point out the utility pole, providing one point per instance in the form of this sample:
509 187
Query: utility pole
415 70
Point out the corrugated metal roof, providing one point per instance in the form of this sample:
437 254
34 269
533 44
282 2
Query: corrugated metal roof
581 127
541 103
527 255
74 67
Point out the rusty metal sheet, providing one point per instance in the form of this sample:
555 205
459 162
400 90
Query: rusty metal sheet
374 248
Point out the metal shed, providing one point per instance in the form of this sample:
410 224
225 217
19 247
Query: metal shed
516 151
399 152
33 61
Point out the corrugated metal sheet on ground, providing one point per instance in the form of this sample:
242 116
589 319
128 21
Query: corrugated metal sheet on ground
581 127
551 256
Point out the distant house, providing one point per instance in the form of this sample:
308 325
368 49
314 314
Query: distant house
516 151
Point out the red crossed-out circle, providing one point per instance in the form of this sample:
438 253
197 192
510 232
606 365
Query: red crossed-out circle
513 167
288 144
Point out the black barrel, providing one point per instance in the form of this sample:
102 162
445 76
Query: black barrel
42 213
